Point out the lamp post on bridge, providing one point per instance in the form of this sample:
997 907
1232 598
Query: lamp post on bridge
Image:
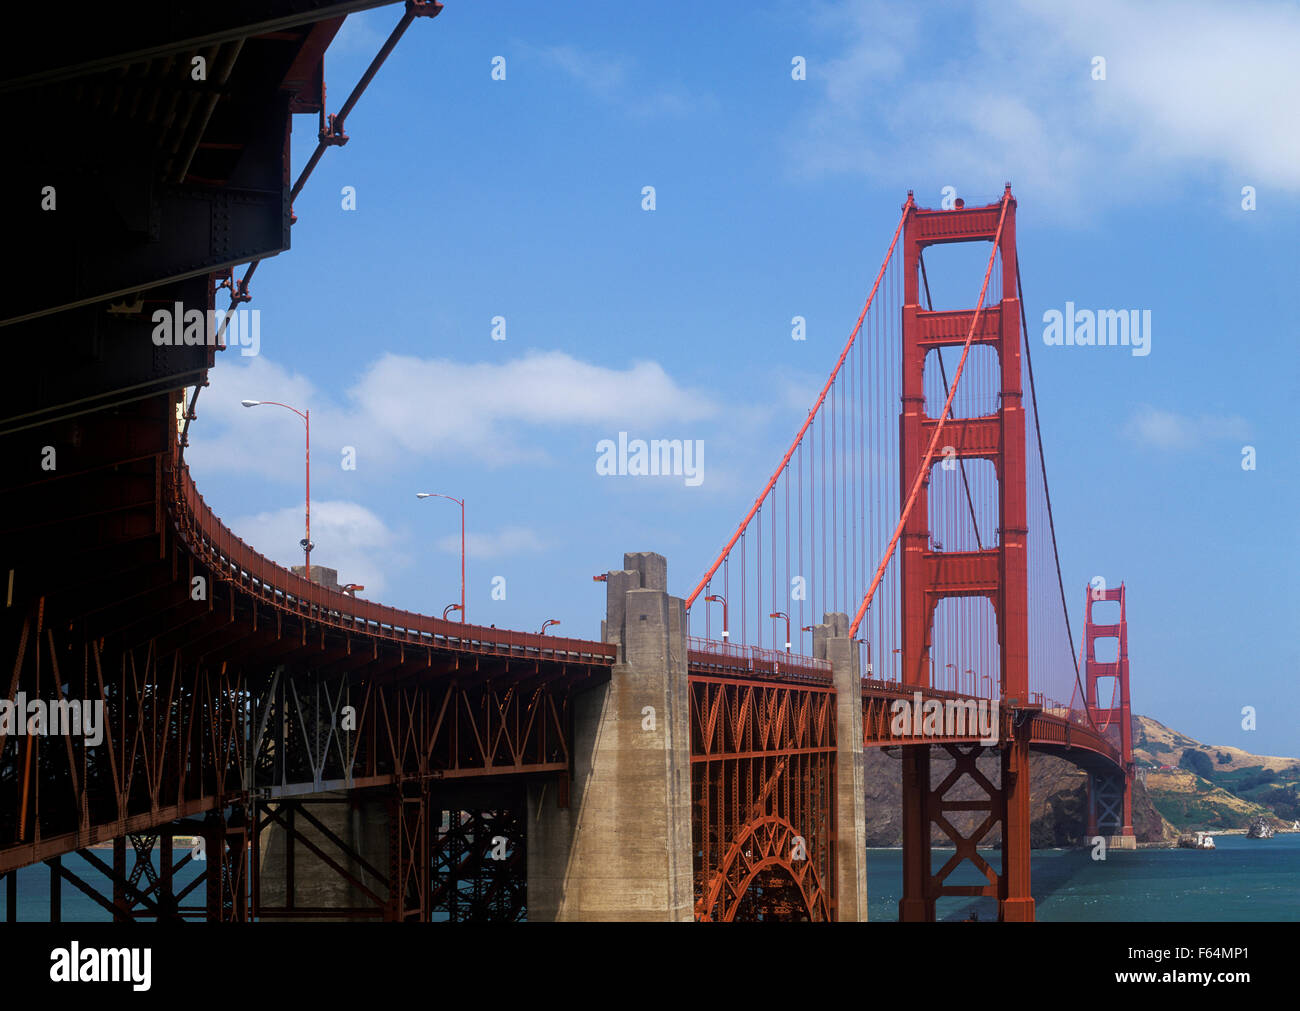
782 614
870 669
548 623
460 502
306 417
953 667
720 599
971 672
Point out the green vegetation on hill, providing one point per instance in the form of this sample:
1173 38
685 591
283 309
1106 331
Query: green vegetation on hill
1197 786
1197 762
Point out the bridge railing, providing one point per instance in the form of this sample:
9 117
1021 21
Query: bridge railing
233 559
716 657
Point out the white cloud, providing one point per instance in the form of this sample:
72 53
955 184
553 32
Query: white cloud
506 541
347 537
1168 430
362 32
597 72
440 406
610 78
267 441
1192 88
428 409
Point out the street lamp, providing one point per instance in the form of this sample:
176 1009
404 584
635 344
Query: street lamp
448 608
548 623
971 672
720 599
352 588
899 650
782 614
460 502
306 417
952 667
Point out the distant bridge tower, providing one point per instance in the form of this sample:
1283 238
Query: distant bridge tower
1110 794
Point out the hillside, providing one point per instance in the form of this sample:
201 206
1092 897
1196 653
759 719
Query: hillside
1204 786
1234 787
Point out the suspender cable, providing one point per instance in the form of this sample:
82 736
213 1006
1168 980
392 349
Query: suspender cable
815 408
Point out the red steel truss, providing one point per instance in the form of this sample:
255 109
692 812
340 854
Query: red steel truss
763 799
229 685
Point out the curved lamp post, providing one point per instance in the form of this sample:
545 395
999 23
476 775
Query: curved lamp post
460 502
306 417
782 614
720 599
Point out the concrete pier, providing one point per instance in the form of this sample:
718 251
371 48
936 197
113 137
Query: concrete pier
621 850
360 819
831 642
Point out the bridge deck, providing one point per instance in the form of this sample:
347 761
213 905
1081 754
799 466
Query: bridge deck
1056 730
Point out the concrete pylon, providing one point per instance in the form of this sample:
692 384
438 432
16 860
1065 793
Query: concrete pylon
621 850
831 642
360 819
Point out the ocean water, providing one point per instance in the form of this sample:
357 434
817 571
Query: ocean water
1242 879
34 888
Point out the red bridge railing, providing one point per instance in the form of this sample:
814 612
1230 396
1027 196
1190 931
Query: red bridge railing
711 656
236 561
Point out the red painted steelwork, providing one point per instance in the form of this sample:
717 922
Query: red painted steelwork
929 576
709 656
237 562
763 799
1114 721
915 466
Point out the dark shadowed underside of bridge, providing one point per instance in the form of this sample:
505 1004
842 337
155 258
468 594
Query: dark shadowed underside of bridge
340 758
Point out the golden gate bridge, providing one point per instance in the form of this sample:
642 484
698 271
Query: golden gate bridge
341 759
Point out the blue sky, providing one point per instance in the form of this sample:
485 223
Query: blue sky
522 198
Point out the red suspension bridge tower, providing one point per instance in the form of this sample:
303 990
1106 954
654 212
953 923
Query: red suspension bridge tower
1110 793
998 573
